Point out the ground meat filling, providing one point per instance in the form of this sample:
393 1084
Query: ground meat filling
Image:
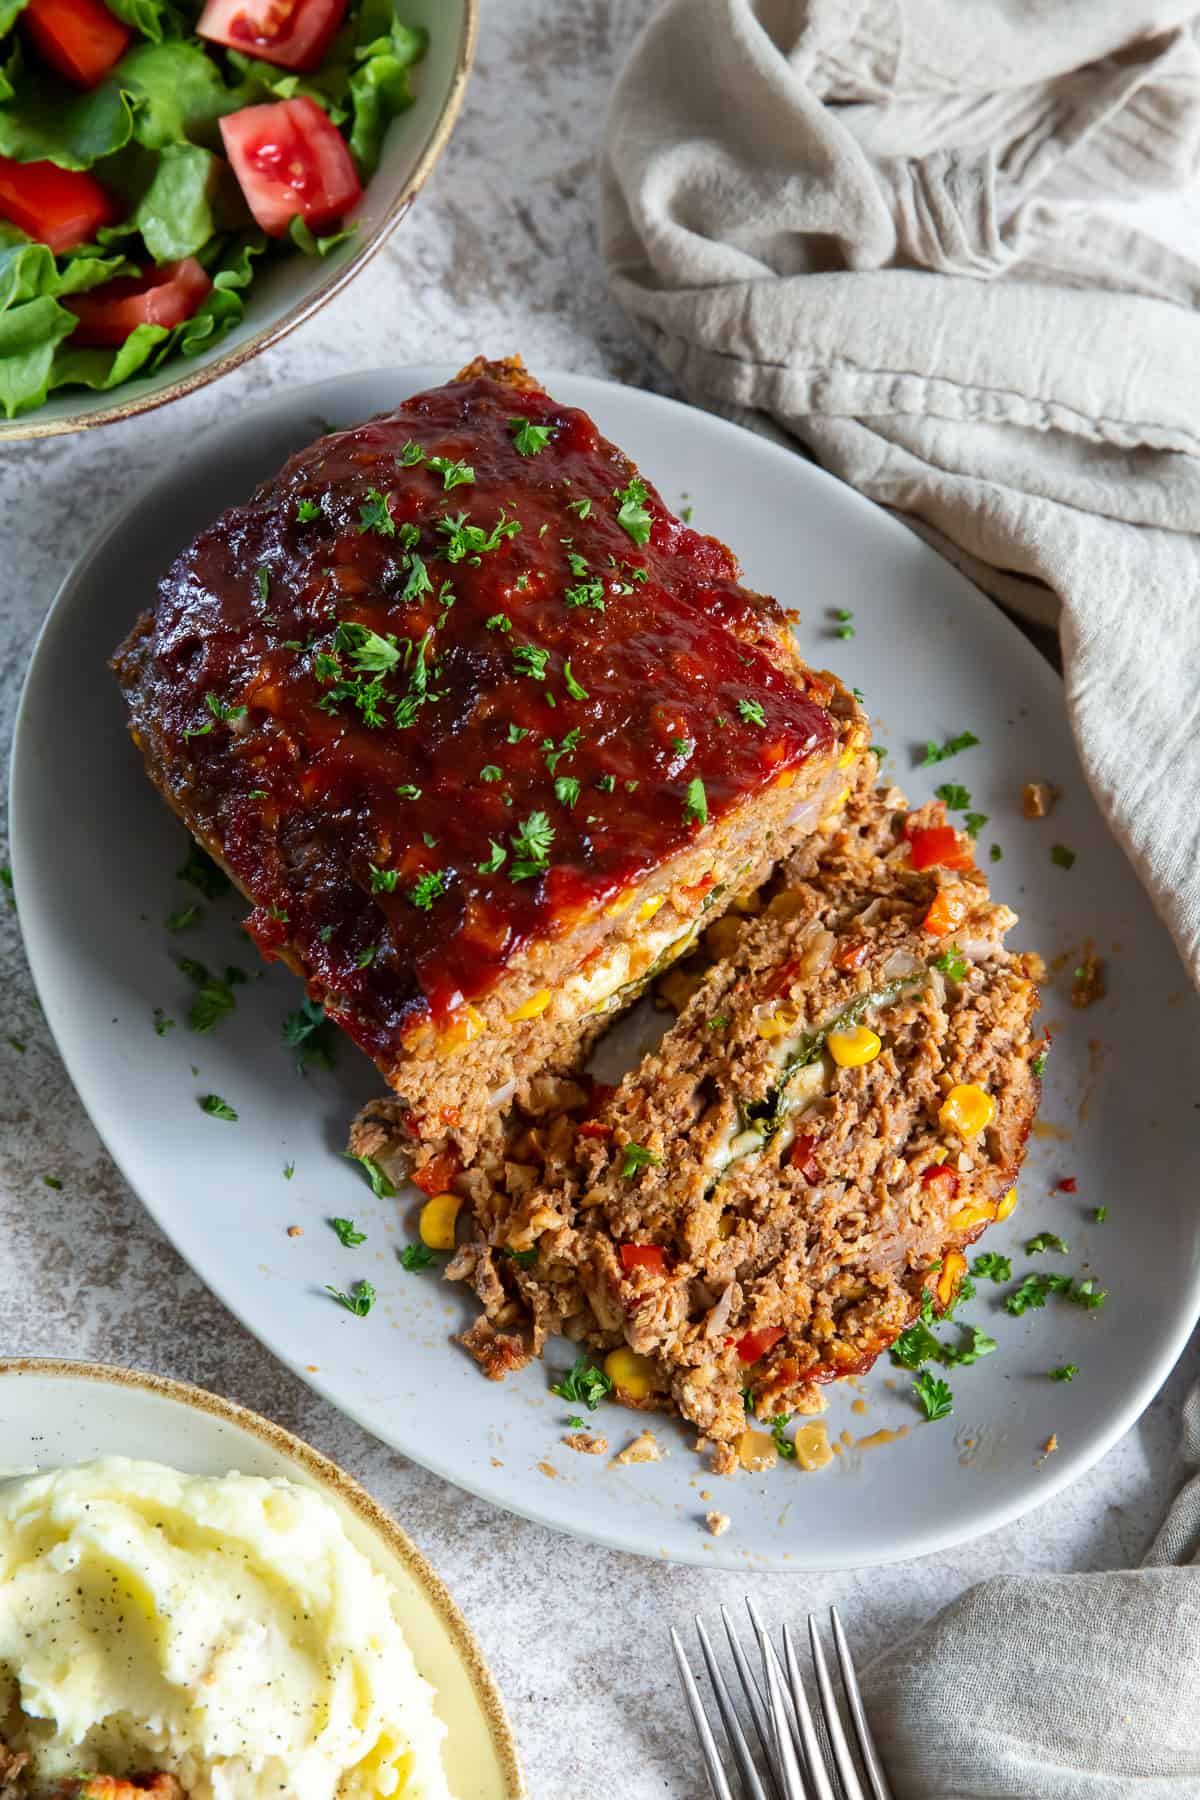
760 1207
18 1781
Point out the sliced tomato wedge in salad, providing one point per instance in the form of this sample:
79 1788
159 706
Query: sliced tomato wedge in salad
61 208
81 39
289 159
165 296
295 34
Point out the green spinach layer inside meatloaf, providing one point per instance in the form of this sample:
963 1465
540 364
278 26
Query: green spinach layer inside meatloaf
762 1205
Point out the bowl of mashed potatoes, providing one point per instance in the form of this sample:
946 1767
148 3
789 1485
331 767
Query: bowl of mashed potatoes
230 1617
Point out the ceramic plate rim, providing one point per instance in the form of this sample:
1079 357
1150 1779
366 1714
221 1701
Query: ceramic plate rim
1069 1465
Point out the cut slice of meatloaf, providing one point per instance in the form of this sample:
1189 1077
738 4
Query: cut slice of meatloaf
762 1204
481 729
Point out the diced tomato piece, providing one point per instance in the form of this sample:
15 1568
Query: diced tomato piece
700 888
756 1343
783 979
439 1171
643 1256
852 954
165 296
59 207
939 846
939 1173
80 39
595 1128
802 1158
1067 1185
947 912
290 160
295 34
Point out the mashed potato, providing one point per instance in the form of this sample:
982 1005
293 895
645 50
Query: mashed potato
223 1629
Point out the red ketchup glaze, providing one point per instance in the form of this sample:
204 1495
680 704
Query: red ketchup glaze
304 796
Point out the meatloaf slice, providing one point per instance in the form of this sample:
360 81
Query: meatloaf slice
481 729
762 1204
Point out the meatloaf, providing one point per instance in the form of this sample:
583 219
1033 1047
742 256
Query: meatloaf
482 731
18 1781
766 1202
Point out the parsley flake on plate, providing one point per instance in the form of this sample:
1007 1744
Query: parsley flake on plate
582 507
495 861
633 515
382 1185
695 805
183 917
453 474
1061 856
410 455
517 732
934 1396
375 515
996 853
307 511
584 1383
588 593
530 440
491 772
752 712
637 1157
575 688
359 1301
531 843
954 794
216 1108
498 622
415 1256
1064 1372
566 790
936 753
990 1265
1046 1240
951 963
783 1444
383 881
214 997
426 889
289 1169
1100 1214
472 541
347 1234
531 660
312 1034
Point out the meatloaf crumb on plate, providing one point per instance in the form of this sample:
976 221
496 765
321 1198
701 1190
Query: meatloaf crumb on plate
481 730
763 1204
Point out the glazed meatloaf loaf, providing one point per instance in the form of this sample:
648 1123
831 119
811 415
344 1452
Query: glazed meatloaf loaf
764 1203
480 729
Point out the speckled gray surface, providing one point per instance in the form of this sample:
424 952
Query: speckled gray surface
498 254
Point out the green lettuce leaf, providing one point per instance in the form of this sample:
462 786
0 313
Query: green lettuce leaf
44 120
304 238
154 19
178 92
10 11
175 214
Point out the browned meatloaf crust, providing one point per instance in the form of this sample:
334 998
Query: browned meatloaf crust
746 1212
18 1782
481 729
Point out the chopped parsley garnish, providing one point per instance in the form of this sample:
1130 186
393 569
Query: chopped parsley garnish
575 688
375 515
472 541
632 513
289 1169
262 582
1064 1372
682 746
917 1345
524 1259
1100 1214
1061 856
951 963
954 794
214 998
584 1383
307 511
588 593
531 660
530 440
426 889
936 753
367 957
407 792
843 613
410 455
312 1034
6 882
973 1344
368 653
636 1157
878 752
1046 1240
418 582
1038 1065
718 1022
498 622
974 823
685 513
566 790
51 1181
555 753
695 805
783 1444
517 732
574 1421
382 1185
1088 1294
1034 1291
216 1108
161 1023
383 881
346 1233
358 1301
491 772
16 1044
606 783
990 1265
752 712
582 507
453 474
495 861
531 843
185 916
996 853
845 631
934 1396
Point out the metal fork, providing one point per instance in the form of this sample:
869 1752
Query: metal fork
799 1760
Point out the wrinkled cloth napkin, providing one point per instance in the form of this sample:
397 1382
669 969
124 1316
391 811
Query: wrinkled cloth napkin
899 231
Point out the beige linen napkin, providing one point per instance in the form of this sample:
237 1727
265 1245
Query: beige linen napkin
898 229
783 181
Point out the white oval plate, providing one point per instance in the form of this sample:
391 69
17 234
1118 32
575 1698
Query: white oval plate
95 852
53 1414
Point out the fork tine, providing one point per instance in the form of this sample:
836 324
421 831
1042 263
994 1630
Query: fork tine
713 1766
761 1632
733 1725
785 1749
754 1699
833 1718
866 1743
814 1756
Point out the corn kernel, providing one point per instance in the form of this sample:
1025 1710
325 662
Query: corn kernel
536 1003
851 1049
437 1221
787 905
1007 1206
975 1212
621 904
649 907
776 1024
967 1109
469 1025
950 1277
631 1374
748 901
846 758
784 779
726 1225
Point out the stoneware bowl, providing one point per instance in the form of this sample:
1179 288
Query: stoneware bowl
283 296
54 1413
